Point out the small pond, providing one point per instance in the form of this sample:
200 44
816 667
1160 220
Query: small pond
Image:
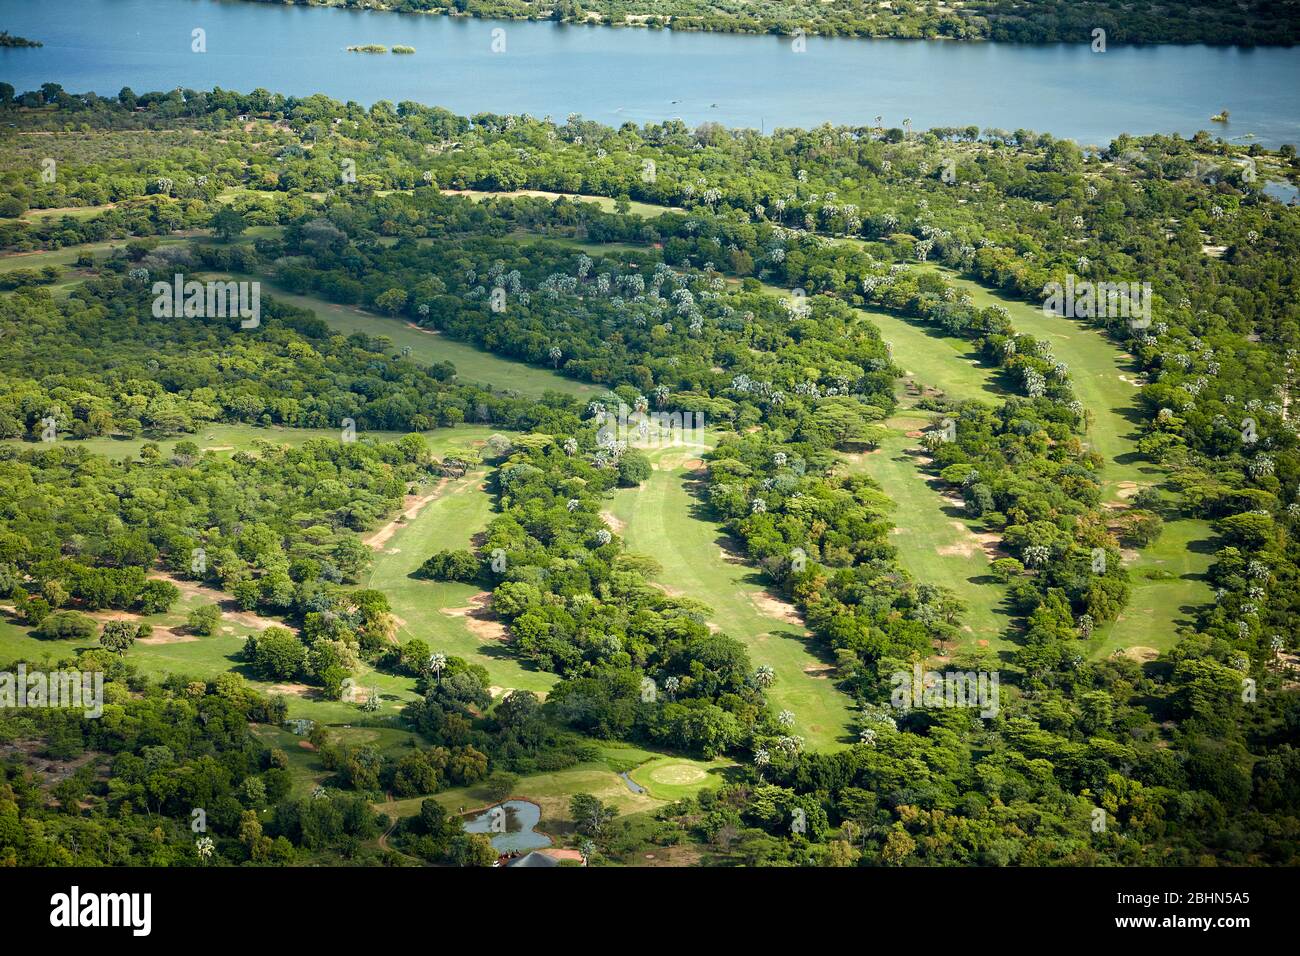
511 825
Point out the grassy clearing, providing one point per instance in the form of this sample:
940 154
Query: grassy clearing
66 212
665 519
551 791
1105 380
449 521
472 364
936 544
664 777
1157 605
203 658
945 364
305 767
232 438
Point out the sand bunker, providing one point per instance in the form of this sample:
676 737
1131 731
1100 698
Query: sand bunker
774 607
412 505
479 619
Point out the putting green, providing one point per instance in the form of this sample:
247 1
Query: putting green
677 774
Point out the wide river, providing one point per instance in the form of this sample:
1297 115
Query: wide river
619 75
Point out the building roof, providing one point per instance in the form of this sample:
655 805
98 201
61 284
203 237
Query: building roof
534 859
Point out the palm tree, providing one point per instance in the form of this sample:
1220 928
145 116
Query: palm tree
764 676
437 662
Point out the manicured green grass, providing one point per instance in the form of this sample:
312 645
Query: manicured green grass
551 791
1156 606
305 767
929 358
672 778
936 544
664 777
472 364
448 522
1099 371
664 519
204 659
71 212
441 525
68 254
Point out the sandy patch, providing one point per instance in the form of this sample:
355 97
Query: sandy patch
165 635
230 611
1141 653
774 607
614 523
819 671
479 619
295 690
971 543
412 505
